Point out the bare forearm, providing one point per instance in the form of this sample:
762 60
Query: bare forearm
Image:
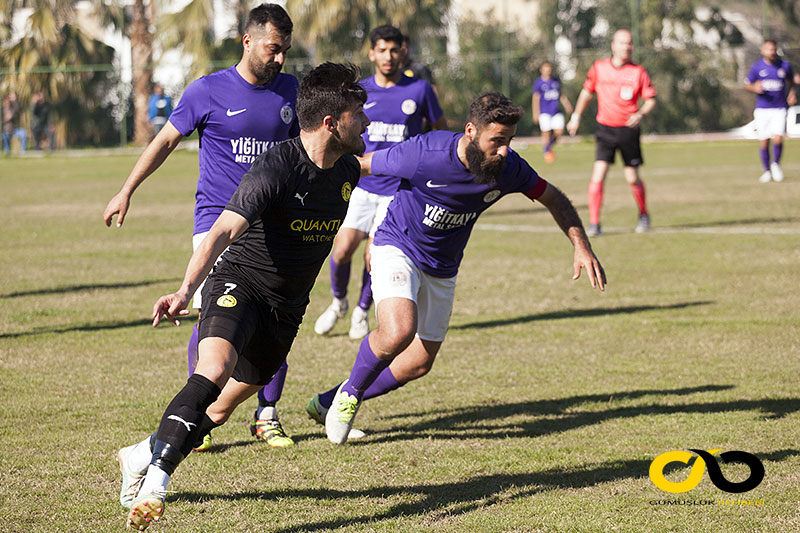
647 106
583 100
565 215
152 157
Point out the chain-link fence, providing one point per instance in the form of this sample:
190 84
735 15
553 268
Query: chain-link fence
698 90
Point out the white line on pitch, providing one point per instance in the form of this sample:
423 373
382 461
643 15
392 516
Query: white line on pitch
741 230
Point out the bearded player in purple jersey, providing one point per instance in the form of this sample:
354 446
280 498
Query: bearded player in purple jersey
772 80
397 107
239 112
446 181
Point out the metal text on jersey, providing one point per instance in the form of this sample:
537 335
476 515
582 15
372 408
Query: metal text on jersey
234 113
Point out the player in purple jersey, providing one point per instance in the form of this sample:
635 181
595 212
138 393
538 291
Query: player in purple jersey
238 112
286 210
397 107
773 80
447 181
544 102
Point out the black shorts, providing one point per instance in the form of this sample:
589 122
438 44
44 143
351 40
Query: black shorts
261 333
609 139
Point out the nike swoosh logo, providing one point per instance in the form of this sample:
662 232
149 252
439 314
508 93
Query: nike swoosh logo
432 185
369 104
234 113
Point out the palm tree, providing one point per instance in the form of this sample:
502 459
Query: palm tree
56 57
141 59
331 26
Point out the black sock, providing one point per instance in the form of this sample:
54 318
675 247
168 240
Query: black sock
182 421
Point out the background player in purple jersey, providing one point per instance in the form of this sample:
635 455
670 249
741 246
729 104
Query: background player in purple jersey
773 80
397 107
544 102
447 181
286 210
239 112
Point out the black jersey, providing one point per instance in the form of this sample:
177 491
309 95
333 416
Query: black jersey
294 209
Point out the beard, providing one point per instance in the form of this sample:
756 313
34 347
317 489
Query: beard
354 145
485 170
265 72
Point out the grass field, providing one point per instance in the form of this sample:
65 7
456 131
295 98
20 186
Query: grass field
546 406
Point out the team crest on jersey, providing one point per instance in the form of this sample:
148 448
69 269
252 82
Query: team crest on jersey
347 190
226 300
408 106
491 196
287 114
781 73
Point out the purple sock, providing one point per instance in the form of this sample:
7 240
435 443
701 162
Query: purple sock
777 150
765 158
366 290
366 368
326 398
192 350
550 143
340 277
385 382
271 393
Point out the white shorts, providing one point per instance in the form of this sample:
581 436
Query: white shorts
770 122
551 122
197 301
366 211
394 275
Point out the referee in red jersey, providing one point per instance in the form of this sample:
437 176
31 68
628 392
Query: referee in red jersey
619 84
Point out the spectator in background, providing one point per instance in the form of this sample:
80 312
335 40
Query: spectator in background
159 108
11 127
413 68
41 123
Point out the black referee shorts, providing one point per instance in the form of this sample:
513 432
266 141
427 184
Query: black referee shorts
261 333
626 139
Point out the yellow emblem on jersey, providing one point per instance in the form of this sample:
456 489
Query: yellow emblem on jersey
226 300
347 189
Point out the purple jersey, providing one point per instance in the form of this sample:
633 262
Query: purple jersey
396 113
438 201
236 122
773 80
549 92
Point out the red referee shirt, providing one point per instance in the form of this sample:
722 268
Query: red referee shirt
618 90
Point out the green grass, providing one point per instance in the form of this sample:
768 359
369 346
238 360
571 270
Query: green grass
545 408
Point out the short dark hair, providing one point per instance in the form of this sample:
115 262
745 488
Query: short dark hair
329 89
493 107
770 41
387 33
272 14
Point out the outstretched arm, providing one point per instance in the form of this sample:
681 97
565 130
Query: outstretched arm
228 227
570 223
154 154
366 163
580 106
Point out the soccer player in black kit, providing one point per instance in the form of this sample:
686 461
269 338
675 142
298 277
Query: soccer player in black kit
279 224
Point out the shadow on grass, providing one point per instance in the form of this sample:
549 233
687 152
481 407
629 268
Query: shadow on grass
557 416
87 287
578 313
442 500
735 222
94 326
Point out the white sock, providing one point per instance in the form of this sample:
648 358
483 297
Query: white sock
155 480
267 413
140 456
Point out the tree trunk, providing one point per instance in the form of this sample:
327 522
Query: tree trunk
141 58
